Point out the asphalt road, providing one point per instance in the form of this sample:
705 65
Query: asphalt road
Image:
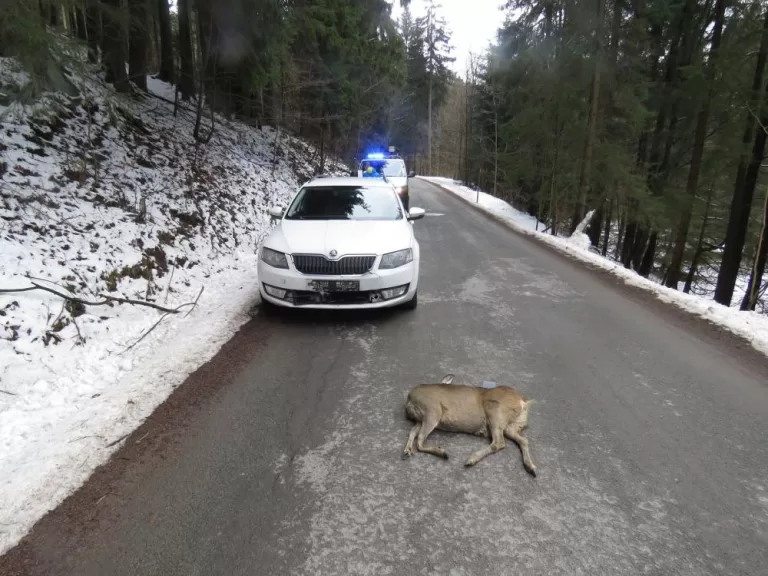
282 456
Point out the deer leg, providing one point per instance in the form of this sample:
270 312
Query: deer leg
513 432
428 424
411 437
497 443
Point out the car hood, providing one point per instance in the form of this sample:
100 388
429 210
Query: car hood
344 236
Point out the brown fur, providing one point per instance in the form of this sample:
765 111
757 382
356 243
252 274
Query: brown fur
489 412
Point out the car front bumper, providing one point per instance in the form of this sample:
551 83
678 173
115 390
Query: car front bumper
302 295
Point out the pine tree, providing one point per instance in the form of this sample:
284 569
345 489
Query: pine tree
187 76
166 41
746 178
113 44
138 42
437 47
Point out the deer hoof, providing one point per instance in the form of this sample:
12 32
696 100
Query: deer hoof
406 454
531 470
469 463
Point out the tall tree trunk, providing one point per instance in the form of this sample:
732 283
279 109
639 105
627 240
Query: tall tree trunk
166 42
746 180
113 46
321 166
468 120
138 39
55 13
82 29
45 10
630 234
758 268
429 128
681 234
639 249
607 232
646 264
93 28
595 227
187 80
207 45
495 144
589 144
621 233
699 245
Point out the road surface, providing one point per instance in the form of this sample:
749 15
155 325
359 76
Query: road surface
282 455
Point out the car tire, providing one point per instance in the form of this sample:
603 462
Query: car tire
266 308
413 302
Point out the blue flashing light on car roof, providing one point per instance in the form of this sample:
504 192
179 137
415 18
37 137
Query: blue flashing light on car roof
375 156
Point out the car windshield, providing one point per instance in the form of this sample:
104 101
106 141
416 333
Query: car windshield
344 203
390 168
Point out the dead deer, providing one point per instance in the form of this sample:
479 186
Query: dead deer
494 412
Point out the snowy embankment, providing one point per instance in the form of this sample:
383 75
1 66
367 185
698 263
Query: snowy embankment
749 325
105 197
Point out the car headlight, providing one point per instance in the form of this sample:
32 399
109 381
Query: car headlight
401 190
274 258
396 259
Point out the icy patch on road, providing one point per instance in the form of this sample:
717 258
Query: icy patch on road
749 325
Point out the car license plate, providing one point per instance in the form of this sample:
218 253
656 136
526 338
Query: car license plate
334 285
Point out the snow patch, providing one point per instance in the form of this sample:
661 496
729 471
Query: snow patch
110 195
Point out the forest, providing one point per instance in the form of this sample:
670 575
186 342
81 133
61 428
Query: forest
652 113
342 73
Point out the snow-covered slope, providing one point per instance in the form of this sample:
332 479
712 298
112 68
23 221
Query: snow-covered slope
749 325
102 194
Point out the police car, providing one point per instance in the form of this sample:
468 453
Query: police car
390 167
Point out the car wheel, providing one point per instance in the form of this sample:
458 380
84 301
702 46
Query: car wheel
413 302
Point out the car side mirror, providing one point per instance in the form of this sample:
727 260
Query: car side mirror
416 213
276 212
411 174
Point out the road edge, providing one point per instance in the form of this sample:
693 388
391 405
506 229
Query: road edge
740 341
153 439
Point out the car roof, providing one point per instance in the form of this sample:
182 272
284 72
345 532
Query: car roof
348 181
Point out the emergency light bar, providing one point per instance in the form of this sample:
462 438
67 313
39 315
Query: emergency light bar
376 156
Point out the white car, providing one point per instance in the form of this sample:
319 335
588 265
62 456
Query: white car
342 243
393 169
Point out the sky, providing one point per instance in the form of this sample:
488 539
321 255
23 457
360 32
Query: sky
473 24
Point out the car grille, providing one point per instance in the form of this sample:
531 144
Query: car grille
321 266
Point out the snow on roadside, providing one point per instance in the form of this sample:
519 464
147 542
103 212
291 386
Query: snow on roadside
70 404
749 325
103 194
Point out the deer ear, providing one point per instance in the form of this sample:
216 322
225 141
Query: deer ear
447 379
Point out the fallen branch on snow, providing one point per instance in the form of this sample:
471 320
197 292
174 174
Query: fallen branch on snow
106 298
163 317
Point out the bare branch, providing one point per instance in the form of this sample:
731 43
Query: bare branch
106 298
194 304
